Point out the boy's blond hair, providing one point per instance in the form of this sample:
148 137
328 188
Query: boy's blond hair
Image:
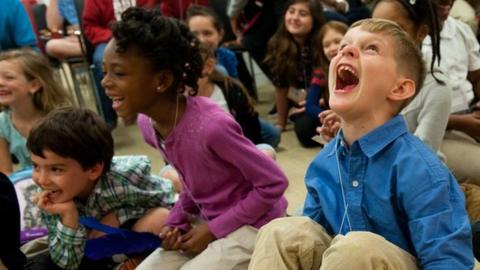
407 54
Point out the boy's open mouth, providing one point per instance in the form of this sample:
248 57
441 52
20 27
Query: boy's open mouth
347 78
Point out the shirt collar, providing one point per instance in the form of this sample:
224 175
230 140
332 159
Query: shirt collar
379 138
376 140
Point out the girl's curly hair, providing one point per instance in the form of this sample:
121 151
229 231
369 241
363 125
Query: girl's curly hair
166 42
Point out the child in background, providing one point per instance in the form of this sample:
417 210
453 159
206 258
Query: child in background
292 56
461 64
72 152
207 27
376 189
230 186
317 98
28 91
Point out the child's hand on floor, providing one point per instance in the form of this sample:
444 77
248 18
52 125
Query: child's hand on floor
66 210
197 239
171 238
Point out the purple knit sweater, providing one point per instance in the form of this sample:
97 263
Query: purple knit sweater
227 180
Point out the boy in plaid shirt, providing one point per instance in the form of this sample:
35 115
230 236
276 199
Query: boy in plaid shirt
72 152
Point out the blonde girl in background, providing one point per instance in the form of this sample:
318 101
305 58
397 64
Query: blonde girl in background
28 91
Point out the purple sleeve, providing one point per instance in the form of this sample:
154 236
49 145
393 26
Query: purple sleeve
148 133
179 216
268 181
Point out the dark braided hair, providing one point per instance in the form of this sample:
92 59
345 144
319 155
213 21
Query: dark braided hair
424 12
166 42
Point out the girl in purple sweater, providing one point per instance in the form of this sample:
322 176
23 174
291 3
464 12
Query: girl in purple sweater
230 188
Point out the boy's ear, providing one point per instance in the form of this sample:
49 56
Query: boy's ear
95 171
163 80
404 90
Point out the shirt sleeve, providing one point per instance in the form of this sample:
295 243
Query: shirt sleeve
433 116
179 216
224 137
317 86
22 29
131 182
437 220
471 43
95 32
66 245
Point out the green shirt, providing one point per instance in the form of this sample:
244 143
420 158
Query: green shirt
17 144
128 190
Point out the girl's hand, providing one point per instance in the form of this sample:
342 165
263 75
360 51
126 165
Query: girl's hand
171 238
197 239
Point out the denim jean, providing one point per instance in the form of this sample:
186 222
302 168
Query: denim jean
270 133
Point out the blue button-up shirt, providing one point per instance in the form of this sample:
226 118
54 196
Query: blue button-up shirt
394 186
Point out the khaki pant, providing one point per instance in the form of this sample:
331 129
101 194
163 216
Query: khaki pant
231 252
463 156
300 243
2 267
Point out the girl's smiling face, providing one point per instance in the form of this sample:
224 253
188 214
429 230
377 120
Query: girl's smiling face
15 87
204 29
130 81
331 42
299 20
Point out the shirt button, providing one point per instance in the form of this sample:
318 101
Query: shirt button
355 183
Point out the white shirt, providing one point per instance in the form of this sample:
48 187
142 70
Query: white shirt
219 98
460 54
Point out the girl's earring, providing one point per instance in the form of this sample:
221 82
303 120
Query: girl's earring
159 89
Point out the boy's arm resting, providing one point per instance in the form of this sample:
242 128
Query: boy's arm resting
94 30
54 18
437 220
66 245
268 182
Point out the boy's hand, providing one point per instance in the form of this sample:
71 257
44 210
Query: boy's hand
330 124
171 238
67 210
197 239
44 202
